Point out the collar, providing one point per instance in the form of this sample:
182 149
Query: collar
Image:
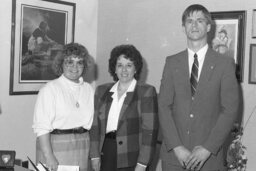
130 88
200 53
72 83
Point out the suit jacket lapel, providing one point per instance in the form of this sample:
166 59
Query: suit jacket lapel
130 97
183 70
206 73
105 107
186 75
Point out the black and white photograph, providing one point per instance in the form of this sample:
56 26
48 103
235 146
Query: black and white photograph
128 85
42 38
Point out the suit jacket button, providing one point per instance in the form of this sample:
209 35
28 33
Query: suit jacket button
120 142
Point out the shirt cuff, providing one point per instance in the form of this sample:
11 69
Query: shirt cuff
95 158
142 165
38 134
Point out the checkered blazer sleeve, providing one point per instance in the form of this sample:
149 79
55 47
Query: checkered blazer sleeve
95 132
148 109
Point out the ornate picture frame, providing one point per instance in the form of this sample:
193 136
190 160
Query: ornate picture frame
254 23
252 64
227 36
39 30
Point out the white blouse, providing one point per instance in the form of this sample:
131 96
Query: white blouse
116 106
63 104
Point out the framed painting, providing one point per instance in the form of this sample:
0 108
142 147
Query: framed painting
254 23
252 64
227 36
39 30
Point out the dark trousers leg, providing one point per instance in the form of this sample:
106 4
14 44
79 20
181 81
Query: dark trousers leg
109 156
126 169
169 167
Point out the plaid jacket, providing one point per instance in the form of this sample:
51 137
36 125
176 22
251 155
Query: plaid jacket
137 126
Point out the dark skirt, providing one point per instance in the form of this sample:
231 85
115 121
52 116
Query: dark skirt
109 157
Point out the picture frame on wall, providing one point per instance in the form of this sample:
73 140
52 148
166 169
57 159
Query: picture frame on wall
254 23
227 36
252 64
40 28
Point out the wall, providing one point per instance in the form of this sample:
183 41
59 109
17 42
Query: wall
154 27
17 110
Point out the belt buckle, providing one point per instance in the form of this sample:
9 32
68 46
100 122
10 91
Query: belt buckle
79 130
112 134
75 130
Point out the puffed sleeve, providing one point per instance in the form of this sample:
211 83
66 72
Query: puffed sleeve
44 111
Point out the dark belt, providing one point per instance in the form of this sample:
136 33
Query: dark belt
111 135
78 130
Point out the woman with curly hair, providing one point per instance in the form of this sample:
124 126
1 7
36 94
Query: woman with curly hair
64 112
124 131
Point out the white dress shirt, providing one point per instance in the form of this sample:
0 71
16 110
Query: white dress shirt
116 106
63 104
200 56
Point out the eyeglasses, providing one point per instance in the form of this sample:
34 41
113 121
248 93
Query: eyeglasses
73 63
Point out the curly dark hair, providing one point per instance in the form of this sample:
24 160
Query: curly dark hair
130 52
69 49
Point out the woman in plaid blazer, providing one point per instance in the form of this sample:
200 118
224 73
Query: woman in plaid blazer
125 126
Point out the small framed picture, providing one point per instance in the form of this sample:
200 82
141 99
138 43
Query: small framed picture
254 23
227 36
252 64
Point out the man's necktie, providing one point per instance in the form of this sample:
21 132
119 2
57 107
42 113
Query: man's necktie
194 76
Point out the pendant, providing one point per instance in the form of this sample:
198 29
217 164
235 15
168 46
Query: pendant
77 105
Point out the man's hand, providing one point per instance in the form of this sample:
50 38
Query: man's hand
95 164
198 157
182 154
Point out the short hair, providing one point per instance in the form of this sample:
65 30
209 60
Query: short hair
223 31
195 8
130 52
69 49
43 25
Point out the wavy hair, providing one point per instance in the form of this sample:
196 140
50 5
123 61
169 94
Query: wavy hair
69 49
130 52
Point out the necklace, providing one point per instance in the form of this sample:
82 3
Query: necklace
74 93
77 104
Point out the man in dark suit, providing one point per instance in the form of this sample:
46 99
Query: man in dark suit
196 112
